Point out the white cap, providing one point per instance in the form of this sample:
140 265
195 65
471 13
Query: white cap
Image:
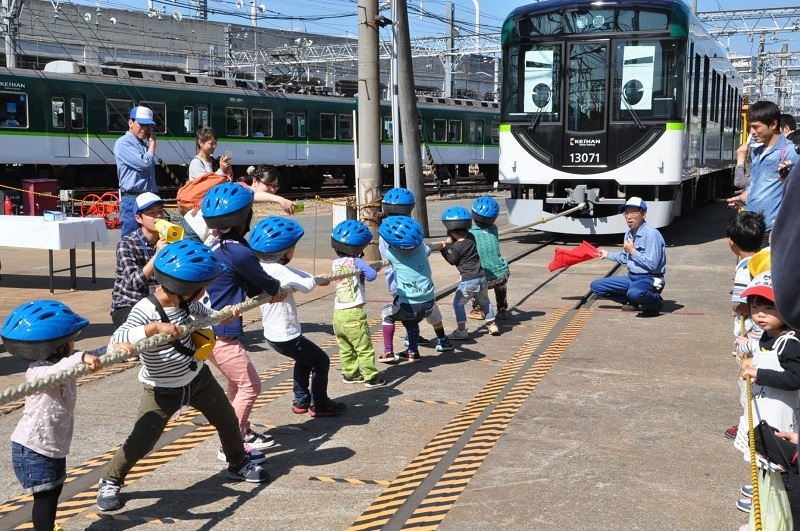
145 201
637 202
143 115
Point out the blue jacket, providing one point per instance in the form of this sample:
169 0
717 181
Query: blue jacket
765 192
650 257
135 165
244 277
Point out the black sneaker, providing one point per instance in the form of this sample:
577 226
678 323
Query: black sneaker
409 355
300 408
357 378
330 409
108 496
375 381
388 357
249 472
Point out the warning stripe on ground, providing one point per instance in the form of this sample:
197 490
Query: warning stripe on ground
352 481
404 485
444 494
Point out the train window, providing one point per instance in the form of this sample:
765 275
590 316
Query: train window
345 127
388 129
541 72
76 113
713 107
476 132
290 124
118 112
262 123
159 114
648 80
454 131
327 126
13 109
628 21
587 85
706 83
188 119
235 121
301 125
439 130
494 133
202 116
421 127
57 105
723 116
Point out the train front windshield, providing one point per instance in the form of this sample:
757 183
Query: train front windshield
587 68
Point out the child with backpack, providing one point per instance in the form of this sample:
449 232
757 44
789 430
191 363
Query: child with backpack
484 212
356 353
400 202
43 332
415 296
172 375
460 250
274 240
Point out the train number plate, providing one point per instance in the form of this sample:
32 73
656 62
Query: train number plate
584 158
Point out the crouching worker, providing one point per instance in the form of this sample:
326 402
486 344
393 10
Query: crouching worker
172 375
44 332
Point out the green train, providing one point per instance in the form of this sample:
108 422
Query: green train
62 123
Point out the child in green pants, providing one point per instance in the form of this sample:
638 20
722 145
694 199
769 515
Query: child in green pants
356 353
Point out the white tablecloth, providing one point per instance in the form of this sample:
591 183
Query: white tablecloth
33 232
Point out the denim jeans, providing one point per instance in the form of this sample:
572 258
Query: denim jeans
37 472
310 362
468 289
126 205
636 289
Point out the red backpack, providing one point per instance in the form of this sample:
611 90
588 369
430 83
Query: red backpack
191 194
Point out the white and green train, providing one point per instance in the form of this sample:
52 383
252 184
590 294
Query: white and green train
607 100
63 121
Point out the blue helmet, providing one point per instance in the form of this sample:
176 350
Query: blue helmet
457 217
401 232
398 201
273 236
227 205
350 237
34 330
186 266
485 210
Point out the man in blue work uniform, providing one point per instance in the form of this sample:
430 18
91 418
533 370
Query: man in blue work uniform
646 258
135 154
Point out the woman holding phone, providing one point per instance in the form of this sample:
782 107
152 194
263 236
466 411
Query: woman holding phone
204 162
265 183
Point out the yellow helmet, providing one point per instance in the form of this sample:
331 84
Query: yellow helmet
760 262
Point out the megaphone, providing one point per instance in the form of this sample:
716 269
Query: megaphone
177 15
204 341
169 231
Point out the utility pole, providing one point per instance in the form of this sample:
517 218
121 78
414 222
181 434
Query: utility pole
412 152
394 99
448 57
781 77
369 117
11 10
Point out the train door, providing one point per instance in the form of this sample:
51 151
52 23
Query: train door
70 137
586 138
296 135
475 137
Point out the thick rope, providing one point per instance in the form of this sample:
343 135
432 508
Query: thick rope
756 508
158 340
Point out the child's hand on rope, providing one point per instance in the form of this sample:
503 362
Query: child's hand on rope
92 361
748 369
236 312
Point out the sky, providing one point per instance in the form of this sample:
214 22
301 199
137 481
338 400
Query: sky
426 17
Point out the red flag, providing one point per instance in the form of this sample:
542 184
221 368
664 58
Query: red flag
568 257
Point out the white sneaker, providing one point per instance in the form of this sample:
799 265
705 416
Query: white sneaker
493 329
259 441
459 333
256 457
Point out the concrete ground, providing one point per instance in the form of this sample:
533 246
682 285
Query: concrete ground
608 420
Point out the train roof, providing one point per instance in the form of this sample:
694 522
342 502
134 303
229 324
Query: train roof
547 6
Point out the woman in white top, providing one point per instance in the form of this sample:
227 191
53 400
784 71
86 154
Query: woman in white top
205 162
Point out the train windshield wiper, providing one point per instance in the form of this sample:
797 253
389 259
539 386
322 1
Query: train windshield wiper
635 116
535 119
